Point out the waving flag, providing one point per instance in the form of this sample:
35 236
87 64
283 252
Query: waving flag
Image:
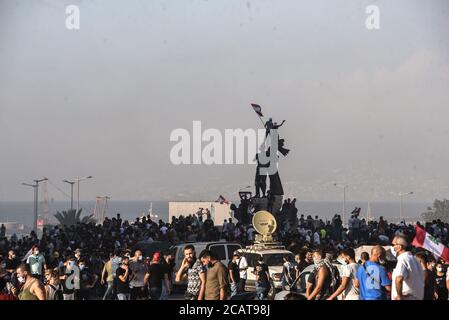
258 109
425 240
222 200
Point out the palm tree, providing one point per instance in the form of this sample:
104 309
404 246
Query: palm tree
72 217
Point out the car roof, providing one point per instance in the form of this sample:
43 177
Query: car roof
267 251
205 243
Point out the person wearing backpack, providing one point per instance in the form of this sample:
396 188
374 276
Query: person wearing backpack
347 288
53 288
324 276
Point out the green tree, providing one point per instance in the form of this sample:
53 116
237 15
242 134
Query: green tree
440 211
72 217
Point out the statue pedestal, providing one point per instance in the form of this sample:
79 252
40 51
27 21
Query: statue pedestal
259 203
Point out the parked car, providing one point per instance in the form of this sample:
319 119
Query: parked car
222 250
272 256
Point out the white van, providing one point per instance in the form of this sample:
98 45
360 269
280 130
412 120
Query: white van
272 256
222 250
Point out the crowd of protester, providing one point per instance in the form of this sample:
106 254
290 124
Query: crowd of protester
97 261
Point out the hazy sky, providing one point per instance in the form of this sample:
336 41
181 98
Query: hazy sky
367 108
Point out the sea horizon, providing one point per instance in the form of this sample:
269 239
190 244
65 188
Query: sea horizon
23 211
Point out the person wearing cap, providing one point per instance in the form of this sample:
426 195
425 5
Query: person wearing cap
234 274
158 276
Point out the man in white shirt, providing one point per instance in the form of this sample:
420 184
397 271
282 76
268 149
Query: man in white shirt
243 268
408 278
347 288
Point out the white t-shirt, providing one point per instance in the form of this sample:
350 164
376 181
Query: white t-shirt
242 263
164 230
413 284
350 271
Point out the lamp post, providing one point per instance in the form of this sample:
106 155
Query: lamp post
77 180
36 199
71 191
343 186
401 196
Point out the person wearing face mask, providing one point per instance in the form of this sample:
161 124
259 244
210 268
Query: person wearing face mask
441 289
87 282
323 276
408 279
32 288
372 279
36 261
216 277
139 271
347 288
71 279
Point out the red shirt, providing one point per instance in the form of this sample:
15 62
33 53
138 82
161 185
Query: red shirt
7 297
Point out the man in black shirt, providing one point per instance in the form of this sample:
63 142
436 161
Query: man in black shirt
12 262
158 276
262 279
122 276
234 274
87 282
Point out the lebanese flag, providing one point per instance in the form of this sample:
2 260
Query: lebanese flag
425 240
258 109
222 200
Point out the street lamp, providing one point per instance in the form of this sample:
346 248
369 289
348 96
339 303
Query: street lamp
71 191
77 180
36 199
401 195
343 186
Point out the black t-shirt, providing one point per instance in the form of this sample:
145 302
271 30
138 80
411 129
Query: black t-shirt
440 287
86 278
12 264
429 285
234 268
302 265
122 286
157 272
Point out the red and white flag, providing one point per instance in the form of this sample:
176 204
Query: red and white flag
425 240
258 109
222 200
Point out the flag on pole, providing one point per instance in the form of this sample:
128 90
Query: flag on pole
222 200
426 241
257 109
